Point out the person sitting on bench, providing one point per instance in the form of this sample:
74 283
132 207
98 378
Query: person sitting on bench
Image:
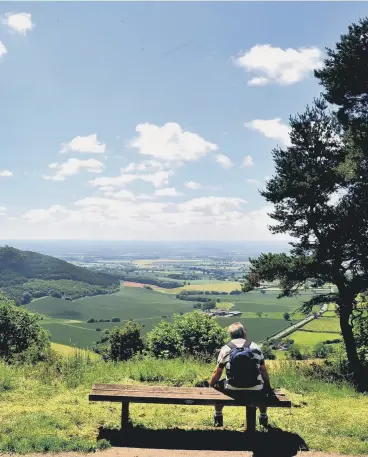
245 371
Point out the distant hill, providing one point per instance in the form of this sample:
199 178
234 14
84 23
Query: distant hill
25 275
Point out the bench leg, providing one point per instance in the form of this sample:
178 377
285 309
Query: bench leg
251 419
124 414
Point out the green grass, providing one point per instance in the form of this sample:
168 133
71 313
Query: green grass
46 409
66 320
73 351
324 324
225 305
311 339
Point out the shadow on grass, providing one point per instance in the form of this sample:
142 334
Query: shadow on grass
273 443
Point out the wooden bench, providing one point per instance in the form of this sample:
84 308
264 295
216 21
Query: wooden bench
126 394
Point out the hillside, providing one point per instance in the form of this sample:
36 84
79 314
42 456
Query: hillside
25 275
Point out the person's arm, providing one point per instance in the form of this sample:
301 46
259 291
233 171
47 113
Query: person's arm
265 377
216 376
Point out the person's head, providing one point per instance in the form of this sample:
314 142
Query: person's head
237 330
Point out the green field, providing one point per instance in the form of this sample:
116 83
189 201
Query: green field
323 324
311 339
67 320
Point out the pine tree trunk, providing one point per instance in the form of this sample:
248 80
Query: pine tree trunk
355 366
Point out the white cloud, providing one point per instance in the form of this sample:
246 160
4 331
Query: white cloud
19 22
84 144
271 128
212 218
247 162
259 81
145 165
211 205
170 143
2 211
158 179
168 192
281 66
192 185
224 160
3 50
253 181
6 173
121 195
73 167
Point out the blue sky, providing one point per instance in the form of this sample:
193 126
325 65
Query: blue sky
151 120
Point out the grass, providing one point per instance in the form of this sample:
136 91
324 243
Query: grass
311 339
216 286
224 305
66 320
324 324
46 409
73 351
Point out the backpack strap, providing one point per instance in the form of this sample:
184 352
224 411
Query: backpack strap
231 345
247 344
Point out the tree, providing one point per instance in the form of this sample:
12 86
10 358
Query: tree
21 336
195 334
286 316
164 340
200 334
315 204
125 341
259 314
267 352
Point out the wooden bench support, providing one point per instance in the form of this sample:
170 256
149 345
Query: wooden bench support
251 419
124 414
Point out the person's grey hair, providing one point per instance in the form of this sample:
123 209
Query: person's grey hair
237 330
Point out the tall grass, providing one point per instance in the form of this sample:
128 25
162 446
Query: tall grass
45 407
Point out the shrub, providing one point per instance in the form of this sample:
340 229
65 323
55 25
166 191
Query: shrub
194 334
21 333
125 341
91 321
115 319
286 316
267 352
98 329
164 340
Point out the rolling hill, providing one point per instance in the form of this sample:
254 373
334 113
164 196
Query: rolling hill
25 275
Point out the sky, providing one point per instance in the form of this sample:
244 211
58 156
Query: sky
152 121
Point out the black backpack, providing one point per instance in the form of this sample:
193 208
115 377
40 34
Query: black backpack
242 368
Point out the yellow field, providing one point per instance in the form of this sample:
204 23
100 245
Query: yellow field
144 263
69 350
221 286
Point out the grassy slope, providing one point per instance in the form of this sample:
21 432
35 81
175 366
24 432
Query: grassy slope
66 320
45 410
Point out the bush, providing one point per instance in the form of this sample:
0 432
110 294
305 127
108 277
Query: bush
20 333
164 341
125 341
115 319
193 334
294 353
267 352
91 321
98 329
321 351
286 316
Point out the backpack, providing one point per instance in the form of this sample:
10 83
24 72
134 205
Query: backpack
242 368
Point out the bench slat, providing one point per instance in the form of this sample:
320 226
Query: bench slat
197 396
165 389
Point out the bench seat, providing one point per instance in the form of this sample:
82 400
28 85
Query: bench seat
126 394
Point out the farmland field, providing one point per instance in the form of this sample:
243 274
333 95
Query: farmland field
311 339
67 320
324 324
